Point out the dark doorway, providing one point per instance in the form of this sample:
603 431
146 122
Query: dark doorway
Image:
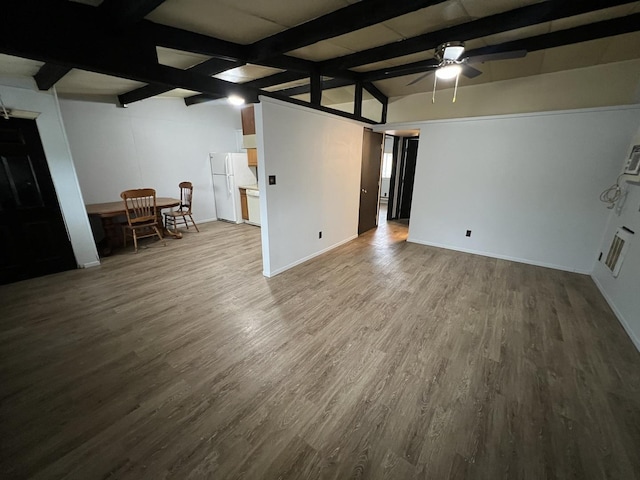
370 180
405 155
33 237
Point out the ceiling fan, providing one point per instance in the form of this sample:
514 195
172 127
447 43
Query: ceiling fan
452 63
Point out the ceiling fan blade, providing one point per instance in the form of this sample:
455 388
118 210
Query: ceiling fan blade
497 56
470 72
421 77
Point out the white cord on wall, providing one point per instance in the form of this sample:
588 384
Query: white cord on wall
612 194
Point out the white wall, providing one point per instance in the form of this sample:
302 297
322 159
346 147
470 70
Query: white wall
526 185
316 158
623 293
23 95
154 143
597 86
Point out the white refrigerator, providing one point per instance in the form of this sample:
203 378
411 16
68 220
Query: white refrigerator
230 171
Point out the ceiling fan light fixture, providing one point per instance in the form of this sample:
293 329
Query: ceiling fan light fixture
448 72
452 51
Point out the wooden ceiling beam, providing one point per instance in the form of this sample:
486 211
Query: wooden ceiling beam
125 13
350 18
320 108
121 13
178 39
502 22
101 51
325 85
275 79
209 67
375 92
49 74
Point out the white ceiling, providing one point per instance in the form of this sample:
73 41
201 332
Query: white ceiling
246 22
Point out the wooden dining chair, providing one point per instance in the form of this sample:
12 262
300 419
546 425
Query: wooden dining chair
142 220
183 214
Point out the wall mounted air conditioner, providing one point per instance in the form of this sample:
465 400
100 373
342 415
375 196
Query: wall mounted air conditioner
617 250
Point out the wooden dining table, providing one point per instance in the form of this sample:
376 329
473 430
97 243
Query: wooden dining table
109 211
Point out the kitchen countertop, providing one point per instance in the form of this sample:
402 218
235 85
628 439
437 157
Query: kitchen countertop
250 187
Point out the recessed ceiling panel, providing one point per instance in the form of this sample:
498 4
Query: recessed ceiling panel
428 19
366 38
288 13
320 51
89 83
484 8
214 19
518 33
178 58
246 73
179 93
18 67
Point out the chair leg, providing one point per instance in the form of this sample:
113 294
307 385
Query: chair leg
164 242
135 241
194 224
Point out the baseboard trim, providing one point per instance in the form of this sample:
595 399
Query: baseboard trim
635 340
273 273
90 264
501 257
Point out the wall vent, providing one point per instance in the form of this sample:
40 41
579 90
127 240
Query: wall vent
617 251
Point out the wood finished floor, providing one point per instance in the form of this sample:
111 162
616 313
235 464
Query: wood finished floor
378 360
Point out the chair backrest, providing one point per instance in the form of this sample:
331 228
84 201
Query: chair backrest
186 196
140 205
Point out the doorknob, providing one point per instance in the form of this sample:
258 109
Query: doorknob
363 190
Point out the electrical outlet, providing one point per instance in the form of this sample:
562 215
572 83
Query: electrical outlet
320 234
468 233
272 179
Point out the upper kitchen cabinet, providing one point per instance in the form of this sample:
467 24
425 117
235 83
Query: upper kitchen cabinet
248 121
249 134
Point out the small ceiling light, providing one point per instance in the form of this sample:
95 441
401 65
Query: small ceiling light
448 72
235 100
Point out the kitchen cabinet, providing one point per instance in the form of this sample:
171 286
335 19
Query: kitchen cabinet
249 134
252 154
248 121
243 204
